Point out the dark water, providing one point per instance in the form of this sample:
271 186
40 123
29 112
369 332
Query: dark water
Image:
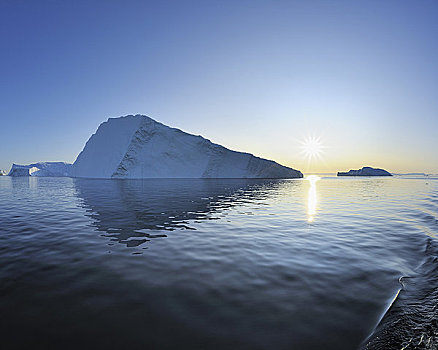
222 264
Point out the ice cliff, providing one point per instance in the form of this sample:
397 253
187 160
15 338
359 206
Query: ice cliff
140 147
41 169
366 171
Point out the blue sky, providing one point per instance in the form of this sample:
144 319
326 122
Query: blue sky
255 76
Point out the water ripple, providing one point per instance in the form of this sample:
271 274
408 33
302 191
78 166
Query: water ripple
218 263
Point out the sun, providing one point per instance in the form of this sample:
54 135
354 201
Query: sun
312 147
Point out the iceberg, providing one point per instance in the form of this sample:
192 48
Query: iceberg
136 146
366 171
413 174
41 169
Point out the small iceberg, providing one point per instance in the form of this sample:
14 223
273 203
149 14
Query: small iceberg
41 169
366 171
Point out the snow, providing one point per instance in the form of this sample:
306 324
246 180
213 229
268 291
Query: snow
139 147
41 169
366 171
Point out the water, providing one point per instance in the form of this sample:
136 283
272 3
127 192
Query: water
316 263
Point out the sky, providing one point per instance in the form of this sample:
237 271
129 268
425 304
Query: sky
254 76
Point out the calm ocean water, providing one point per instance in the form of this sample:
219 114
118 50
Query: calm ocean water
329 263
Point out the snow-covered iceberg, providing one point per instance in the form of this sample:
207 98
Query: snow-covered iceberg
140 147
366 171
41 169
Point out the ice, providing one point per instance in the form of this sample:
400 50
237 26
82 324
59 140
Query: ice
41 169
140 147
366 171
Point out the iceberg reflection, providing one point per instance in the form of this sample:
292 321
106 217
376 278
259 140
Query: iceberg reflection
132 212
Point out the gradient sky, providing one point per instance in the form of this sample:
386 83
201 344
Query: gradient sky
254 76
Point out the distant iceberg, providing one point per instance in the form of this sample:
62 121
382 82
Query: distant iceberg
413 174
366 171
41 169
140 147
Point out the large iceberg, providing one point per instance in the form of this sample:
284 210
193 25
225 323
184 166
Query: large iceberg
41 169
366 171
140 147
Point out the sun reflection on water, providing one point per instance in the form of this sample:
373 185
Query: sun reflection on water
312 198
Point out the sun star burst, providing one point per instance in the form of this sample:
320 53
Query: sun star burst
312 147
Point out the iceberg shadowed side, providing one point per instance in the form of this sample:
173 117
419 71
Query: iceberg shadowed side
140 147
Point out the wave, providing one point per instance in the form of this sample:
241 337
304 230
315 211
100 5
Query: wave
411 321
